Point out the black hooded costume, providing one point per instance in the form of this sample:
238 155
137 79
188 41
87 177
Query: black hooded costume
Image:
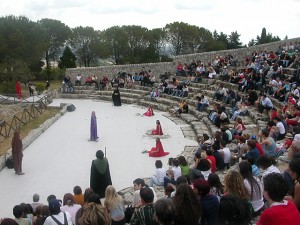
116 97
100 174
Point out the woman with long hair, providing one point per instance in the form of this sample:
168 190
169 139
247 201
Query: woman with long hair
187 207
158 150
115 205
216 187
70 206
253 186
234 185
158 129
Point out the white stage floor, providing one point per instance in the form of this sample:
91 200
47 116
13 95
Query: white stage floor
61 157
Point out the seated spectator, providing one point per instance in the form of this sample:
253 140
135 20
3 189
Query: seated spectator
185 169
234 185
201 167
225 153
238 127
220 92
57 216
211 159
278 131
209 202
253 186
211 72
240 109
268 144
36 203
145 214
233 210
158 177
78 80
219 160
164 211
265 104
281 211
88 81
186 213
115 206
168 191
294 172
139 184
18 212
92 213
173 173
241 149
253 151
78 196
216 187
183 109
203 103
70 206
267 164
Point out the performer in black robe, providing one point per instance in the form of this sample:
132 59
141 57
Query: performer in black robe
100 174
116 97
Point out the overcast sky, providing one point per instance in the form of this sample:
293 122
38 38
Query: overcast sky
247 17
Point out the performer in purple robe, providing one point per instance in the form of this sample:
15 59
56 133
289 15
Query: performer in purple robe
94 135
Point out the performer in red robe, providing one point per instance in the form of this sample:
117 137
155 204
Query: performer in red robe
149 112
158 130
18 90
158 151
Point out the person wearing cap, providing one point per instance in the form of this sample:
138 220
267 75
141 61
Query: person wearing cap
56 216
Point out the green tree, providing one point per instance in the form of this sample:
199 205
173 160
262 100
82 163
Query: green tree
20 39
68 59
85 41
55 34
137 42
234 40
117 43
266 38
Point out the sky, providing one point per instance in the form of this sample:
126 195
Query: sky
60 158
247 17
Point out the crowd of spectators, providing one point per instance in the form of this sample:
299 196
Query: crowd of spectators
253 185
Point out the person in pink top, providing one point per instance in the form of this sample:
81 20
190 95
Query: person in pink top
280 212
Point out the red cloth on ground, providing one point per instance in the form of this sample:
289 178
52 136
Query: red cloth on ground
160 152
149 112
158 130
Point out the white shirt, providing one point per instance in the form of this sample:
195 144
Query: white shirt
280 127
60 217
177 172
72 210
160 173
227 154
257 197
137 198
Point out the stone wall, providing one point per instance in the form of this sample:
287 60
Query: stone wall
160 68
